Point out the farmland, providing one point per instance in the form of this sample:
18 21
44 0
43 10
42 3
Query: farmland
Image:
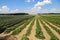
31 27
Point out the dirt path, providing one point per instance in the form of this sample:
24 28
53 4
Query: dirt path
47 37
53 31
2 35
53 25
19 36
33 31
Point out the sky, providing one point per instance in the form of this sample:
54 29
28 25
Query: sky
30 6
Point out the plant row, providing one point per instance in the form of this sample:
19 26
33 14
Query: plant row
39 33
28 32
57 30
55 21
8 30
53 37
18 30
6 23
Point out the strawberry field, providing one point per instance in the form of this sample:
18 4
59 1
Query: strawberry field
31 27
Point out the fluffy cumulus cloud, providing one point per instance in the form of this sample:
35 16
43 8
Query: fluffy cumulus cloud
35 9
44 2
32 10
29 0
4 9
38 6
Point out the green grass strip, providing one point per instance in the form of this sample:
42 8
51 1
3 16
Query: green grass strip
39 33
54 28
53 37
8 30
15 32
24 37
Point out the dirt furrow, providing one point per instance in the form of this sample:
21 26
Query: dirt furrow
19 36
53 31
47 37
33 31
53 25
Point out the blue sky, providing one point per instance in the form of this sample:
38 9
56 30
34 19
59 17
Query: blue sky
30 6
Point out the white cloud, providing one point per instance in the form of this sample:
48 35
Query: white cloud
4 9
29 0
44 2
37 7
15 11
33 10
47 1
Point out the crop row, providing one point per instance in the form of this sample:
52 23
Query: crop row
12 21
53 37
39 33
28 32
18 30
8 30
57 30
54 28
55 21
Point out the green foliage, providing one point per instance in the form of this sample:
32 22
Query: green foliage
17 31
7 21
8 30
50 19
25 37
53 37
53 19
39 33
57 30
